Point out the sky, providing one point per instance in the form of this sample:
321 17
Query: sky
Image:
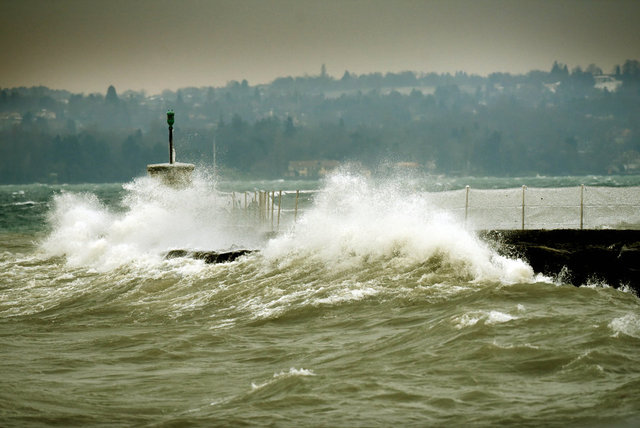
86 45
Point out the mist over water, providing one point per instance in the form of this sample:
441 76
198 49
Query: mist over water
375 307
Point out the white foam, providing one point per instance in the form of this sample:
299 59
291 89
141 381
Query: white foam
628 325
488 317
156 218
356 222
293 372
497 317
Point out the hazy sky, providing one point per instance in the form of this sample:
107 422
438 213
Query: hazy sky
86 45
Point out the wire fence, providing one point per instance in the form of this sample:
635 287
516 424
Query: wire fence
582 207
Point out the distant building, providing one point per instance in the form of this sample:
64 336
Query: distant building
608 82
312 168
46 114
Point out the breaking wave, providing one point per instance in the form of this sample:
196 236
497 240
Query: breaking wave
355 225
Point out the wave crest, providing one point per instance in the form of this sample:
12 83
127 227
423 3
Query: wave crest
355 223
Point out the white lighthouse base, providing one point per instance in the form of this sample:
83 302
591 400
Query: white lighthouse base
172 174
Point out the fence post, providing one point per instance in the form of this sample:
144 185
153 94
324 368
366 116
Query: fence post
266 199
523 189
466 205
273 200
279 205
581 205
295 212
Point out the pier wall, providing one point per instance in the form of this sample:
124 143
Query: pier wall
580 256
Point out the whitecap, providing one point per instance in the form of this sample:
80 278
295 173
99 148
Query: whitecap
628 325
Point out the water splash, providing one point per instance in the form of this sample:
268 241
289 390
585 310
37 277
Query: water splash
357 223
154 219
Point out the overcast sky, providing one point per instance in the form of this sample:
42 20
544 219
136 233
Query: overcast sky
87 45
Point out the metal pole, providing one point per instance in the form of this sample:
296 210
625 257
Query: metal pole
523 189
581 205
170 122
170 144
466 205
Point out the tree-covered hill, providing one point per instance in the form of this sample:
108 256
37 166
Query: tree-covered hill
543 122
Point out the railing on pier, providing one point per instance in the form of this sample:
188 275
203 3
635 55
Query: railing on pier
270 208
582 207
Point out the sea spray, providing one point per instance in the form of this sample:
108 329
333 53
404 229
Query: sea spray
153 219
356 222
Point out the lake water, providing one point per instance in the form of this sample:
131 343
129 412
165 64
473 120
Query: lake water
374 308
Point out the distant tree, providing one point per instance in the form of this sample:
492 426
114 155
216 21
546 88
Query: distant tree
211 95
289 128
631 70
112 96
559 72
617 71
594 70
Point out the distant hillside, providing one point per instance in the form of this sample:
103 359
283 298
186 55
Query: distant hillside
546 122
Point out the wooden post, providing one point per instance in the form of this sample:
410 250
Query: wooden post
265 214
581 205
295 212
466 205
523 189
260 206
273 199
279 205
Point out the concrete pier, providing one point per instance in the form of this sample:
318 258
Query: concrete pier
610 256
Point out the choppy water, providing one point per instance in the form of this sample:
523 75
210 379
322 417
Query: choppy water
375 309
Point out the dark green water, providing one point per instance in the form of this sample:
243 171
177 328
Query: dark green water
372 311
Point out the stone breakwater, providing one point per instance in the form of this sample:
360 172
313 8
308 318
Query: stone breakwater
579 256
209 257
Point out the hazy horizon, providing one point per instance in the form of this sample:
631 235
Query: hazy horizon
85 46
